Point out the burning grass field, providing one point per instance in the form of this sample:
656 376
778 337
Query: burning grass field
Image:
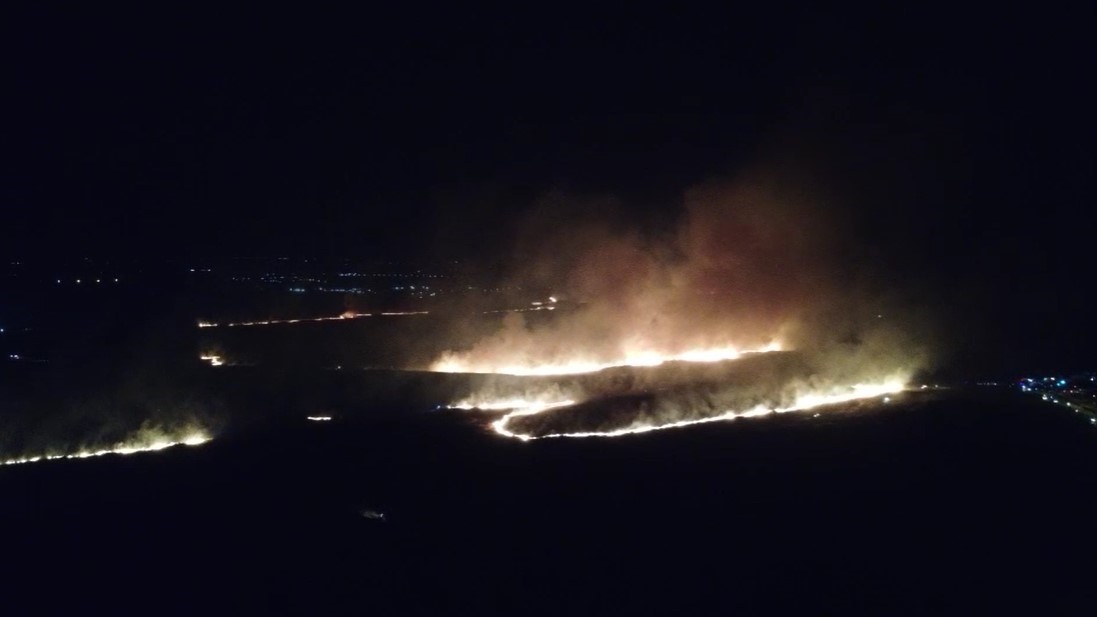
337 490
672 394
937 502
612 402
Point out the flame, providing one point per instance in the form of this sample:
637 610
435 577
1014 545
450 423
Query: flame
213 359
145 440
271 322
456 363
518 407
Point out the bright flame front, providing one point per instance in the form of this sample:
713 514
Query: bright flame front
142 441
459 363
518 407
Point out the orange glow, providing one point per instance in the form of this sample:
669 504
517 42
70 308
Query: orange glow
801 402
143 441
457 363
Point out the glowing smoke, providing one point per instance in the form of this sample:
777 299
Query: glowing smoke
739 272
750 266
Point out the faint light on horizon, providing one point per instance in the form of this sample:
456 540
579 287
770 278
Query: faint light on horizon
270 322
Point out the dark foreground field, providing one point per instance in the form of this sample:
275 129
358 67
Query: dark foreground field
961 502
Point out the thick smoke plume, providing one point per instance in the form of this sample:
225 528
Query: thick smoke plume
747 265
755 265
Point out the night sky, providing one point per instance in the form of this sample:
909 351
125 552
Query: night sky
955 144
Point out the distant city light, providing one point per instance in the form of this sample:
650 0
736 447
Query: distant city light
1079 406
269 322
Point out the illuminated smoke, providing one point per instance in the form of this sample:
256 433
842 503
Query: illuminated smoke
736 276
748 267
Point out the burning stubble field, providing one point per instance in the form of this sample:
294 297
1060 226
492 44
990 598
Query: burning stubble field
688 480
937 501
657 449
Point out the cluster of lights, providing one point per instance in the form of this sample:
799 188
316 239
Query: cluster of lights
352 315
416 275
270 322
81 281
534 306
1079 394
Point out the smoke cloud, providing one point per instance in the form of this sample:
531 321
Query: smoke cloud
749 264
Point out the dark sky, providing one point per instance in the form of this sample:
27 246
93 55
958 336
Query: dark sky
960 141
